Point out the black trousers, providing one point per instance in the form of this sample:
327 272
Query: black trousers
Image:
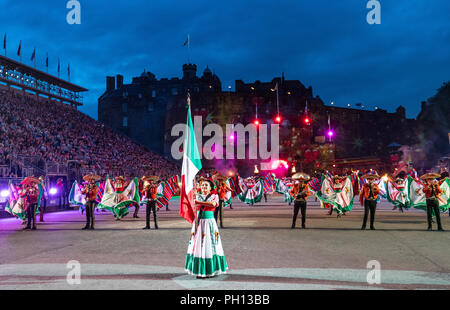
369 206
218 212
433 205
31 215
90 215
299 205
136 210
151 207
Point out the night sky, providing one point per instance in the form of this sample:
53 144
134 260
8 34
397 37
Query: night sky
323 43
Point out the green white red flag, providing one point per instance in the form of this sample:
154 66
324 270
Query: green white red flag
191 166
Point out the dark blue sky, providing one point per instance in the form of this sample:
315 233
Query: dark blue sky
323 43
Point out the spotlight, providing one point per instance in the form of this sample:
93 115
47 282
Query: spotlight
53 191
4 193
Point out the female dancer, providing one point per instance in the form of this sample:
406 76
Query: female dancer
205 257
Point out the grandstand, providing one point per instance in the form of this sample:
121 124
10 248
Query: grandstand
43 133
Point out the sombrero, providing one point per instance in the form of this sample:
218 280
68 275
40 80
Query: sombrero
372 174
219 177
150 178
91 177
203 179
301 176
30 180
120 178
430 175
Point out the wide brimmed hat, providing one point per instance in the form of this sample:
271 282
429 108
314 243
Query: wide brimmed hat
119 178
372 176
203 179
30 181
430 175
301 176
219 177
150 178
337 176
91 177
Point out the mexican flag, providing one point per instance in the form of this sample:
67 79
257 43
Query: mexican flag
191 166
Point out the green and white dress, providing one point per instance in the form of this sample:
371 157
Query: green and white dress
205 257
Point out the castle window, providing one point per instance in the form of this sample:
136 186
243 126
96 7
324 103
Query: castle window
151 107
125 121
124 107
174 91
140 96
153 93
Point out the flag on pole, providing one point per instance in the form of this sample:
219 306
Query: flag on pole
33 55
58 67
191 166
4 42
19 49
46 61
187 41
276 86
68 71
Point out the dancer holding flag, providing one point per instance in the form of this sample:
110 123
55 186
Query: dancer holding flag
205 257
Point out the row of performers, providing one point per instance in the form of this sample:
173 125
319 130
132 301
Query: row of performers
334 192
430 192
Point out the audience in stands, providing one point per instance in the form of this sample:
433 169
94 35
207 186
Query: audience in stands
56 132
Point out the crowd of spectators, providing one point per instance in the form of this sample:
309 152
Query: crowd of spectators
57 133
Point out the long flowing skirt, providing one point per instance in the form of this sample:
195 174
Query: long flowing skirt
205 255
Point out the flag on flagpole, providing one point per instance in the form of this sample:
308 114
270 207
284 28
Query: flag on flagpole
191 166
19 49
187 41
58 67
4 42
46 61
33 55
68 71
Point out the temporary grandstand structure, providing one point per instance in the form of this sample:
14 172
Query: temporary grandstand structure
19 75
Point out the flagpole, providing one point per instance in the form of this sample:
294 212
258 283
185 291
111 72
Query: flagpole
278 107
189 50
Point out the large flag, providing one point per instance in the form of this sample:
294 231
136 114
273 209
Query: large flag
20 48
33 55
191 166
15 203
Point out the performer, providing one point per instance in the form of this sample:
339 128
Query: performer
205 257
432 191
91 191
299 192
43 205
368 198
222 189
30 194
151 184
119 186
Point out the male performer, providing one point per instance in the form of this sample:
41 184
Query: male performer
299 192
368 198
30 195
90 190
222 190
432 191
149 193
